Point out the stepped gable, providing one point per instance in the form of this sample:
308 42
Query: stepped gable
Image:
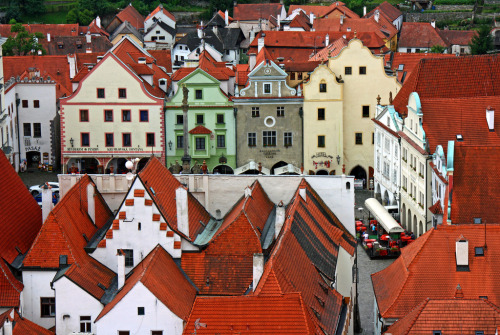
21 325
450 316
161 186
64 230
10 287
431 260
251 314
451 78
163 278
20 215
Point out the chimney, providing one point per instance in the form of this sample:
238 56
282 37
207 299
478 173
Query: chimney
181 200
89 38
458 293
279 22
48 37
121 268
258 269
215 29
377 15
226 18
462 252
200 30
303 192
364 10
341 19
260 44
91 201
311 18
327 40
280 219
98 21
490 118
46 201
433 24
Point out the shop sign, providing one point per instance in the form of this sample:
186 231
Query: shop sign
269 153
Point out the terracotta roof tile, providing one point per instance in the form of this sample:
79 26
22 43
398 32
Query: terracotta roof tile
131 15
139 193
10 287
158 9
383 29
200 130
21 325
387 10
161 276
129 202
242 71
419 35
331 50
163 59
320 11
436 208
20 215
116 225
457 37
70 29
252 12
301 21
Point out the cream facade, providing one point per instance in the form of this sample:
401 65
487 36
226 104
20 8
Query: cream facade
347 127
109 119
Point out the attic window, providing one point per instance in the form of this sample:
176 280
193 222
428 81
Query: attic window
479 332
324 287
321 301
477 220
401 67
485 297
436 332
318 316
60 45
140 311
479 251
460 138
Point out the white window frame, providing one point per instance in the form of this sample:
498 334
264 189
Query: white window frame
264 88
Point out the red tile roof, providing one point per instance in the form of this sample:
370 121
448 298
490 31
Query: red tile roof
251 314
301 21
182 72
10 287
131 15
158 9
21 325
332 50
419 35
200 130
94 29
54 30
63 231
163 59
161 276
20 215
436 78
242 71
252 12
427 269
156 177
387 10
457 37
87 58
450 316
436 208
321 11
383 29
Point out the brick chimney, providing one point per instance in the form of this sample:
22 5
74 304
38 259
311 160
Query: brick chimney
377 15
98 21
181 200
258 269
120 268
490 118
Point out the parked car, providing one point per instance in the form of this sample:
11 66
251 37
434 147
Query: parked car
37 189
55 197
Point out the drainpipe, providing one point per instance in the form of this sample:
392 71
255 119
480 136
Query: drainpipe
235 112
16 164
428 158
301 114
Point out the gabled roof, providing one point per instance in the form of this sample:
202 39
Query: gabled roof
200 130
163 278
263 56
21 325
437 78
163 59
161 186
87 58
20 215
251 314
164 26
65 229
70 29
126 28
93 28
131 15
383 28
450 316
242 71
208 64
430 259
419 35
322 11
163 10
63 45
252 12
457 37
331 50
387 10
301 20
10 287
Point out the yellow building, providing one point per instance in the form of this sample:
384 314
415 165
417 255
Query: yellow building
339 103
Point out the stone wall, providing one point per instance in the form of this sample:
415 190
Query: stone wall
440 16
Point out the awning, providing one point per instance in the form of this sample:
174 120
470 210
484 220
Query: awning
382 216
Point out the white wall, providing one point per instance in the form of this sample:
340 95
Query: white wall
73 302
37 285
159 16
123 316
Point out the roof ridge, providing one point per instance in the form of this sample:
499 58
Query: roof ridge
422 306
7 276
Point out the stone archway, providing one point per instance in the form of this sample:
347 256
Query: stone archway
359 173
223 169
117 165
32 159
322 173
386 199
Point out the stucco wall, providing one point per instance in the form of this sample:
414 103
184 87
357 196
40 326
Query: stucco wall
37 285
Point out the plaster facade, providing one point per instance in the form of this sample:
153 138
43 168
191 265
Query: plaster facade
36 286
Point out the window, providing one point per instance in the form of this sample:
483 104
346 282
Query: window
287 139
373 138
417 50
408 50
479 332
150 139
85 139
84 115
47 307
221 141
269 138
387 144
85 324
157 332
255 111
252 139
161 38
378 163
267 88
180 142
322 87
122 93
179 119
110 139
280 111
129 257
126 115
25 103
479 251
37 130
126 140
198 94
27 129
199 119
123 332
366 111
100 93
321 141
144 115
359 138
36 103
348 70
321 114
292 76
108 115
362 70
200 143
140 310
220 118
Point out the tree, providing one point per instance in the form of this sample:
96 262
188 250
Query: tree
483 42
32 7
437 49
22 42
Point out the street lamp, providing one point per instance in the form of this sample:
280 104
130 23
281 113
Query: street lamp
169 145
71 141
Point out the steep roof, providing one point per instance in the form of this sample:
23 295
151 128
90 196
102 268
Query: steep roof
163 59
10 287
383 28
163 10
20 215
242 71
387 10
322 11
21 325
126 28
163 278
131 15
331 50
63 45
430 259
437 78
251 314
450 316
301 20
251 12
161 186
419 35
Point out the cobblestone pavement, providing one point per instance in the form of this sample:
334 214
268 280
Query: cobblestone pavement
366 267
36 177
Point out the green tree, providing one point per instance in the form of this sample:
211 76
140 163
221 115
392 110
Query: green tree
83 17
32 7
483 42
22 43
437 49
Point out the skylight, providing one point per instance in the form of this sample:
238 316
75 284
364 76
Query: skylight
460 137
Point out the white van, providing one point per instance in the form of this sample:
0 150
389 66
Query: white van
394 211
